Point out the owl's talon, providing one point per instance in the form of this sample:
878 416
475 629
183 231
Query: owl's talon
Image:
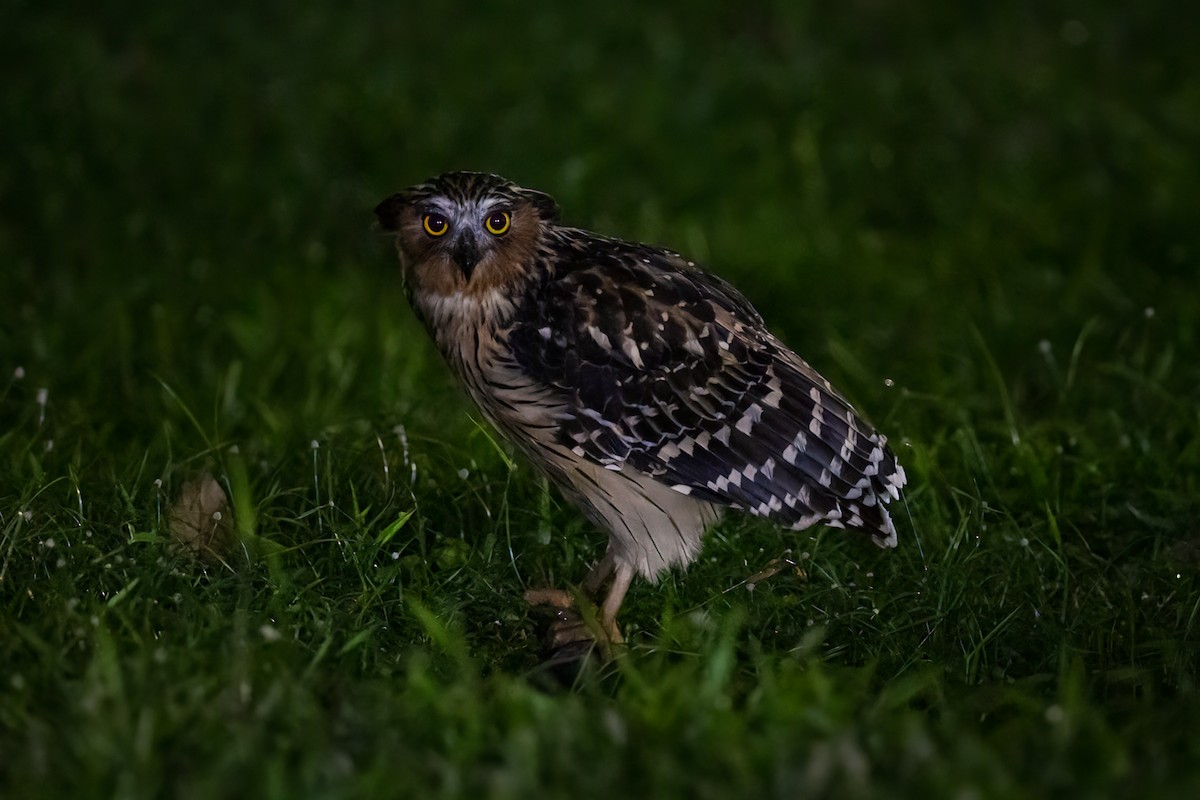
570 630
555 598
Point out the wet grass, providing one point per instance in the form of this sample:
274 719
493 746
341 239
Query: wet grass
980 224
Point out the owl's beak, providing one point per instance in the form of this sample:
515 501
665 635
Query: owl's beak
465 254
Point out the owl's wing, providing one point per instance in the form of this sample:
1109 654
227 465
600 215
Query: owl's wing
669 370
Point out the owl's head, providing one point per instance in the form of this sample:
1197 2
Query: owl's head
465 232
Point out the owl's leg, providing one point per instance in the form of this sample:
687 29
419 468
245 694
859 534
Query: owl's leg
593 582
564 599
622 578
599 574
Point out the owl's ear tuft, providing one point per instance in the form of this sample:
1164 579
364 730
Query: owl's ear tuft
546 207
388 212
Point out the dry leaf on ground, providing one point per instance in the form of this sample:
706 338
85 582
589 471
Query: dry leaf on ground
201 520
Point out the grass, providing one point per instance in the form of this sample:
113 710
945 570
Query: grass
994 210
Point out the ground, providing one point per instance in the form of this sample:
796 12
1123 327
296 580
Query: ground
980 223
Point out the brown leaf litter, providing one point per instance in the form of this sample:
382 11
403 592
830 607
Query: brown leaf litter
201 520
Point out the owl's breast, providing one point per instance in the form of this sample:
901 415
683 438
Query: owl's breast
471 331
518 403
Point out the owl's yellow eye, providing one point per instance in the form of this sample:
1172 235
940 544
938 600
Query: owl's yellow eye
435 224
498 223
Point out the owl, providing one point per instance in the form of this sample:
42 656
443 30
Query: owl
646 388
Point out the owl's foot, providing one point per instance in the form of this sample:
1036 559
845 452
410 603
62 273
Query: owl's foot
578 625
575 629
